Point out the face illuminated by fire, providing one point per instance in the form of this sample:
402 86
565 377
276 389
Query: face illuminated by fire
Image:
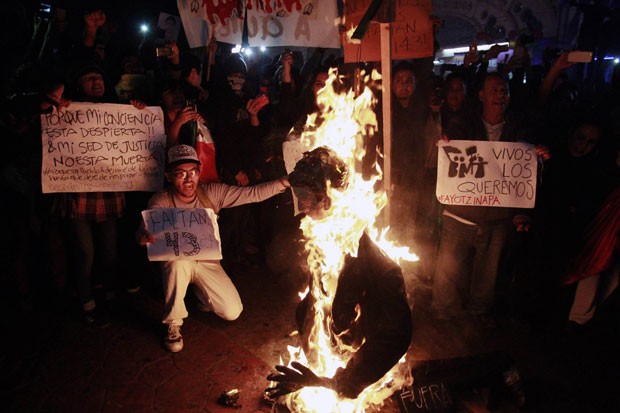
184 178
314 205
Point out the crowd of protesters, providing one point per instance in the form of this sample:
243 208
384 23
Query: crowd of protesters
470 255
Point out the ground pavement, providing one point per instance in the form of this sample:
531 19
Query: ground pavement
52 362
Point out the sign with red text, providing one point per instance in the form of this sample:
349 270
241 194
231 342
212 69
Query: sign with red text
412 32
182 234
483 173
308 23
103 147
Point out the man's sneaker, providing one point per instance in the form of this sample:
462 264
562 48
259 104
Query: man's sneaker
174 340
96 318
512 379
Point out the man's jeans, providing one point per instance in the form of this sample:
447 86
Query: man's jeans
456 282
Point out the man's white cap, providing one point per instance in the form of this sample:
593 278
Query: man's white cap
179 154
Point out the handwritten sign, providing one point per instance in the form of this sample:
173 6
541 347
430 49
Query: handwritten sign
309 23
103 147
183 234
482 173
412 32
426 397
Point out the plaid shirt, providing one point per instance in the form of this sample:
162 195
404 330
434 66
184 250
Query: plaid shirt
96 206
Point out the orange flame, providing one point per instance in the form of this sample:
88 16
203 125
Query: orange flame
343 125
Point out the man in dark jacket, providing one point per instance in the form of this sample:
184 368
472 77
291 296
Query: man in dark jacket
485 230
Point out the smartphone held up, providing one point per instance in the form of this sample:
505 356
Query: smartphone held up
163 51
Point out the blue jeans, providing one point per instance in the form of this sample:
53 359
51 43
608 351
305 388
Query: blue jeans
467 265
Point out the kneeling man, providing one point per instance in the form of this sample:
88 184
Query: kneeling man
214 289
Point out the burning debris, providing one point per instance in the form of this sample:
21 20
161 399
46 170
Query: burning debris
230 398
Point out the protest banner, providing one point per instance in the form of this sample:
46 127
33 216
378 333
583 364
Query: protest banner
103 147
182 234
309 23
483 173
202 19
412 32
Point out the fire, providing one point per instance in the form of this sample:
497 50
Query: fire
345 122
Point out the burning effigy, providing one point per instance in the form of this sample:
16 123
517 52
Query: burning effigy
354 320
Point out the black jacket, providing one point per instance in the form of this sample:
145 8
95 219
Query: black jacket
375 283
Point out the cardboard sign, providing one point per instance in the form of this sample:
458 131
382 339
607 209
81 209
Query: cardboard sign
183 234
412 32
103 147
309 23
483 173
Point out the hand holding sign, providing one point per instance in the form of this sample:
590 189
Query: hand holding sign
180 233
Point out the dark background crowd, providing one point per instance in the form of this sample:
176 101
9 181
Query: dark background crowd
96 53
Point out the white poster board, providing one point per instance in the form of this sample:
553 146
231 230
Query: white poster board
483 173
293 151
307 23
183 234
103 147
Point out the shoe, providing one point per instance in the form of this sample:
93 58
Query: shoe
96 318
512 379
174 340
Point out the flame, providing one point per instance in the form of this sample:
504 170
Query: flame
345 122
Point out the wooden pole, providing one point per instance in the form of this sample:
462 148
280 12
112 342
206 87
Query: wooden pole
386 79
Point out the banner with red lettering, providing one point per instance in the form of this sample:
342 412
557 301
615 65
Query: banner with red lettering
412 32
306 23
201 17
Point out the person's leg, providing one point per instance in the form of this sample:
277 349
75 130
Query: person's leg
106 245
83 247
584 303
176 276
454 249
489 245
216 291
610 282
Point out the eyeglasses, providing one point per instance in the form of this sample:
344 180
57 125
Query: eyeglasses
182 174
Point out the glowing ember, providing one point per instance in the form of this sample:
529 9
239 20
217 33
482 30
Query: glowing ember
344 124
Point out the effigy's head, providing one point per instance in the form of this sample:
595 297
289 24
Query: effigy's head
313 176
